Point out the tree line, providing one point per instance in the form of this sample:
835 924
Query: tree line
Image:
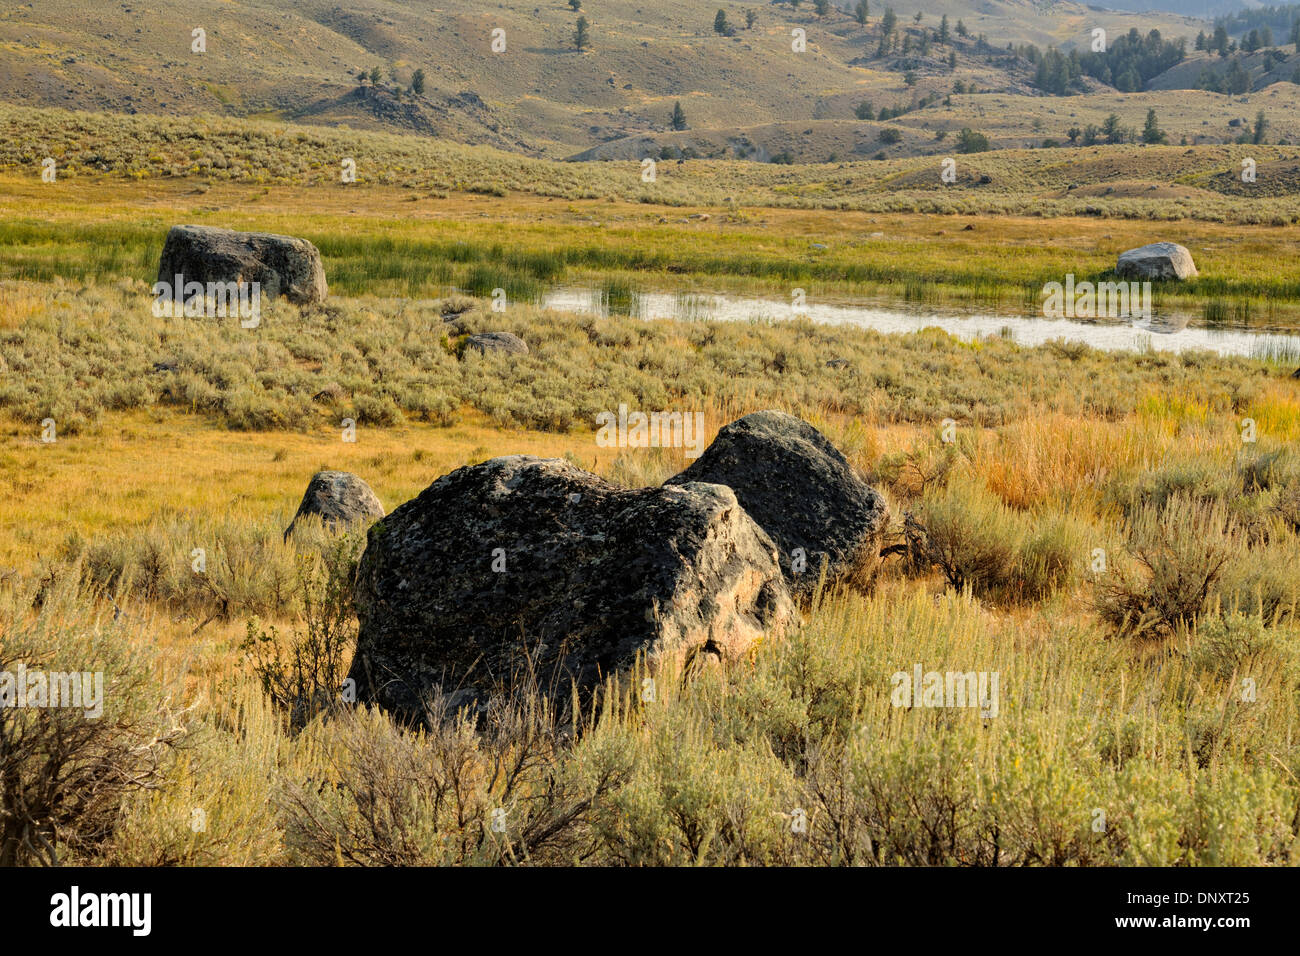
1127 64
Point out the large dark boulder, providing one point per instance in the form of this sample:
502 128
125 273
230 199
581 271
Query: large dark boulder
282 265
340 499
524 562
802 492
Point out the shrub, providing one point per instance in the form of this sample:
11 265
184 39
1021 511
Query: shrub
1223 646
969 141
1178 553
982 544
247 566
303 674
450 794
66 773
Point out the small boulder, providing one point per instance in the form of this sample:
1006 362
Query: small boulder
1159 260
340 499
523 562
281 265
802 492
505 342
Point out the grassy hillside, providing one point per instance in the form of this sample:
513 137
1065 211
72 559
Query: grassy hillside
1009 120
1159 182
541 95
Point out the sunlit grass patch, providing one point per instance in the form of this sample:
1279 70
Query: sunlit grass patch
1276 413
1171 412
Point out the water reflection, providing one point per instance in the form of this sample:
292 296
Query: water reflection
1161 333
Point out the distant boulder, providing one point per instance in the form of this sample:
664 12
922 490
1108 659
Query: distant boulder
525 563
506 342
340 499
281 265
1159 260
802 492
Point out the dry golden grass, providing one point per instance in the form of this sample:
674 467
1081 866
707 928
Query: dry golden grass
19 303
136 464
1084 722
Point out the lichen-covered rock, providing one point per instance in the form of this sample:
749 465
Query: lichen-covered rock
523 562
507 342
340 499
281 265
1159 260
802 492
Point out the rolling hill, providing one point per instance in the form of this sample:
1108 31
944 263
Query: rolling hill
539 95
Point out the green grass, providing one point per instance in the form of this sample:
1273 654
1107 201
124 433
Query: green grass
372 260
83 352
419 226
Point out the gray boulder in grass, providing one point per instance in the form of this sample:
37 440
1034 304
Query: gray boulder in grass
523 564
340 499
507 342
1159 260
281 265
802 492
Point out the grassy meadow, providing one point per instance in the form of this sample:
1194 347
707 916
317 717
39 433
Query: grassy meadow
427 217
1114 534
1122 691
400 244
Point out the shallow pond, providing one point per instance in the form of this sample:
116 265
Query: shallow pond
1159 334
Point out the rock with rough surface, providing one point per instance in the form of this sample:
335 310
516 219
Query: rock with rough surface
340 499
802 492
507 342
282 265
522 559
1159 260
